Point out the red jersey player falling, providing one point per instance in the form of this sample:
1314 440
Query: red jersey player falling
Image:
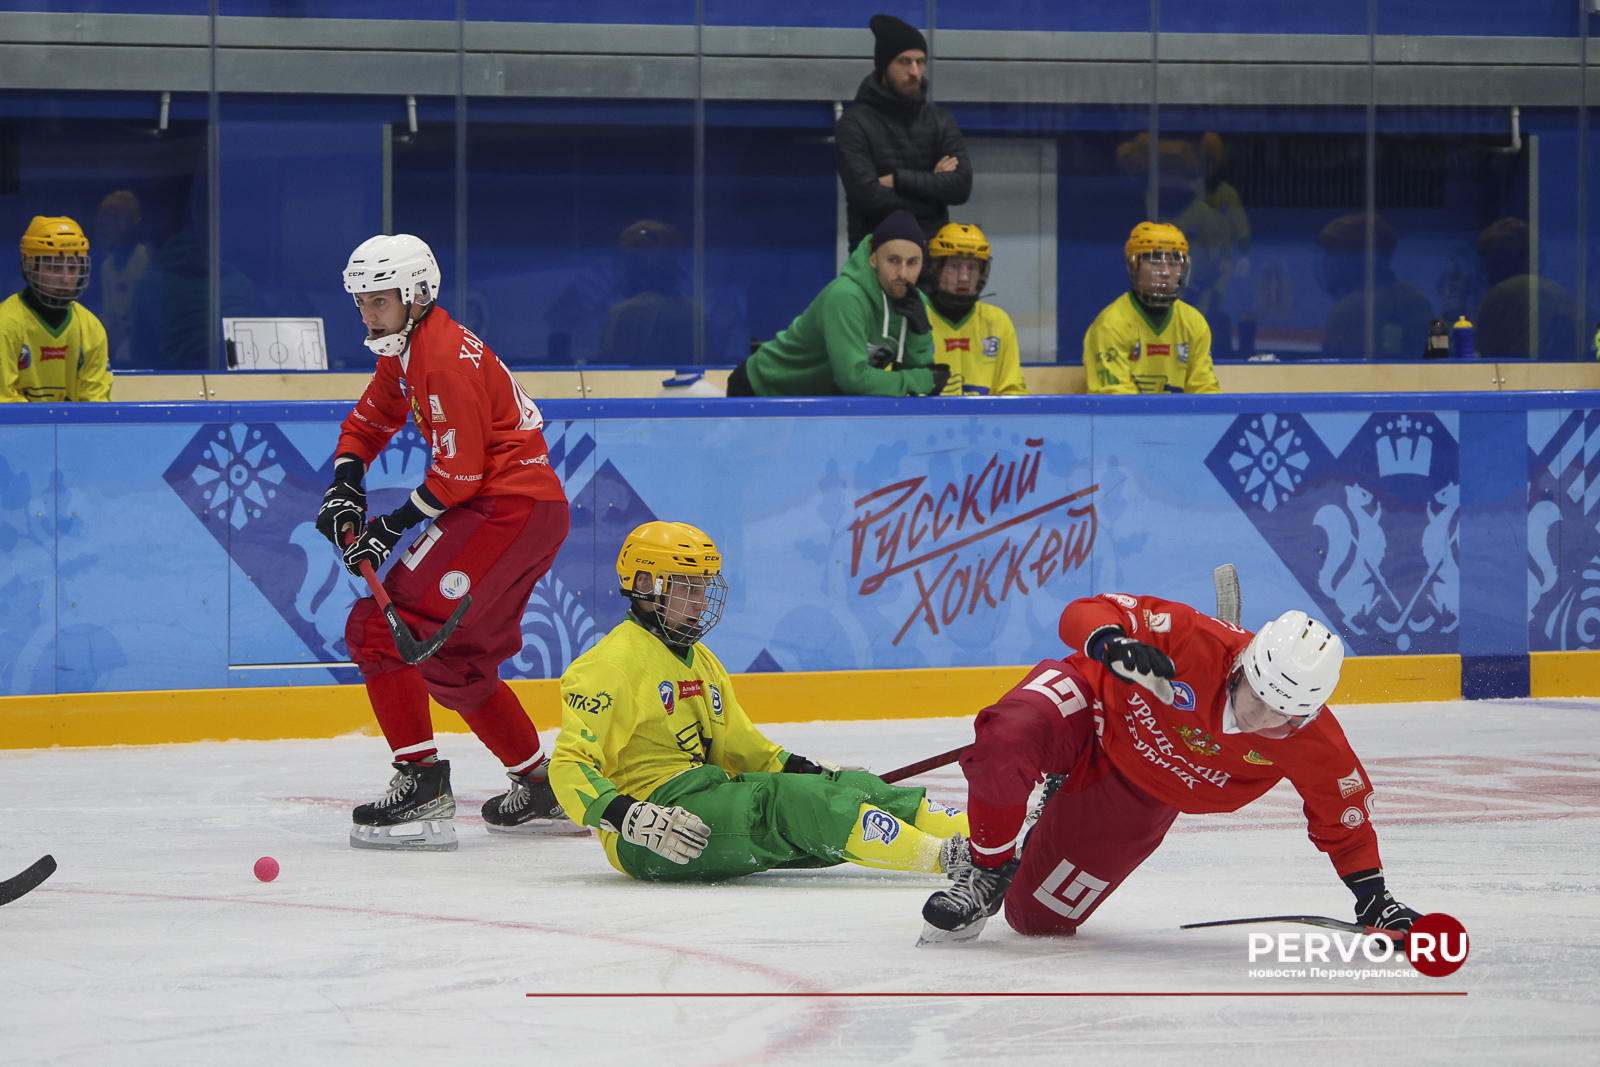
498 515
1165 710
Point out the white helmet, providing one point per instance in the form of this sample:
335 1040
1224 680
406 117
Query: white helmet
400 262
1293 665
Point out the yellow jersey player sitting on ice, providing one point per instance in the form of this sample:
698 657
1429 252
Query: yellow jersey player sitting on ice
656 752
976 339
1149 341
51 347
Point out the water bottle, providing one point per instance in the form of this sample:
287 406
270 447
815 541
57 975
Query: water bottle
1438 343
1461 338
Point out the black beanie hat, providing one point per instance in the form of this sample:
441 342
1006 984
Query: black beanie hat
893 37
901 225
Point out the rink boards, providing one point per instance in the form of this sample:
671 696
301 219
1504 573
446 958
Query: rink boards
171 547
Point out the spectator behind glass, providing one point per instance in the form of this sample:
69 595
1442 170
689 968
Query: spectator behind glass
1209 211
1503 316
655 323
1400 311
895 150
866 333
123 260
976 339
1147 340
52 348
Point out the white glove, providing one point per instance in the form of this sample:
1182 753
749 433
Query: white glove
834 768
674 833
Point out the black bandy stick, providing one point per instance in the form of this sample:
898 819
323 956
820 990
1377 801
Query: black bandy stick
28 880
1306 920
911 770
411 650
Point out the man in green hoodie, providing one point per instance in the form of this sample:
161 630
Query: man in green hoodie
866 333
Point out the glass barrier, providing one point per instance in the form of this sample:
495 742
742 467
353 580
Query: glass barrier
138 191
303 183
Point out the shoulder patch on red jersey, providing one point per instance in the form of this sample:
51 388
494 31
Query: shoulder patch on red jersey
1351 783
1122 598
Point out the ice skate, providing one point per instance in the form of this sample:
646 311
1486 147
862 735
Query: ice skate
414 815
960 912
530 808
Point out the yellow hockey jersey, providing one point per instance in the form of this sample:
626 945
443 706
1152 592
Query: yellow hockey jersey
634 715
1124 353
38 363
981 350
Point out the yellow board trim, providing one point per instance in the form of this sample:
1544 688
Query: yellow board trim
1564 674
177 716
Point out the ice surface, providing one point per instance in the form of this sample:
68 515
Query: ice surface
154 944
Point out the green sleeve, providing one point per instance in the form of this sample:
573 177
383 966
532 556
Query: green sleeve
845 315
595 702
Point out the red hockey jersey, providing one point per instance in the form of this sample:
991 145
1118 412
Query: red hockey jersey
1180 754
485 432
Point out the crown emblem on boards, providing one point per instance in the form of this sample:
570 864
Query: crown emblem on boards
1403 454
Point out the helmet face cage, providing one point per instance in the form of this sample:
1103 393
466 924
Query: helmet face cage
51 271
687 605
1149 293
938 264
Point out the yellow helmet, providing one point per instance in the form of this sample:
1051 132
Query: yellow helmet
959 239
55 260
676 569
1149 239
1156 236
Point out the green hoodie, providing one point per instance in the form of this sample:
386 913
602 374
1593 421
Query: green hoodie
824 351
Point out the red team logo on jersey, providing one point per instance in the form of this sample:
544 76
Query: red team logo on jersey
691 689
48 352
957 344
1160 350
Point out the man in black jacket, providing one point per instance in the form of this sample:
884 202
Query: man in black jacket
896 151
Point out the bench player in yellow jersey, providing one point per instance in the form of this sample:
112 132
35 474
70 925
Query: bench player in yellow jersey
1147 340
657 753
52 348
976 339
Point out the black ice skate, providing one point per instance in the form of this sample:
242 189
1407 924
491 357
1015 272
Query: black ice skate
530 808
960 912
415 815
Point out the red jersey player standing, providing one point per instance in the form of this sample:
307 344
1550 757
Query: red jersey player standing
498 515
1165 710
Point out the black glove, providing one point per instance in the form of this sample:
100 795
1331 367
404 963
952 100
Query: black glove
941 378
345 502
378 539
911 308
1134 661
1375 908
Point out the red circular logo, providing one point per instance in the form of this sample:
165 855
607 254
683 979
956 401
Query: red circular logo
1437 945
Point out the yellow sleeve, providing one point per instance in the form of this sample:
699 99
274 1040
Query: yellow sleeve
1202 378
597 718
1105 356
10 350
1008 380
744 748
94 376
